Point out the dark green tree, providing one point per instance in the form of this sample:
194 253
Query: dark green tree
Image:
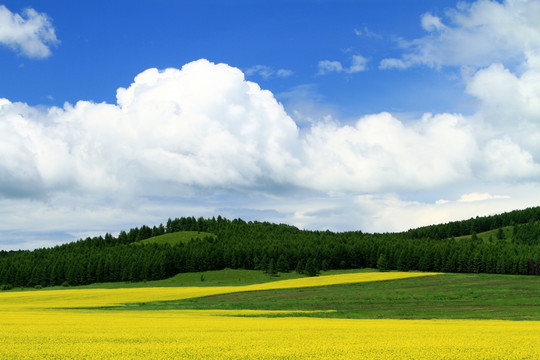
311 267
282 264
271 269
382 263
300 266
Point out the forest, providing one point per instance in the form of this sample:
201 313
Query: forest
513 247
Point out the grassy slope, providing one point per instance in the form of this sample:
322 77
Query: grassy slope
174 238
227 277
448 296
484 236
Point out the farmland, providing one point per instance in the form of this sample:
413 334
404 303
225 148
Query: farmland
80 323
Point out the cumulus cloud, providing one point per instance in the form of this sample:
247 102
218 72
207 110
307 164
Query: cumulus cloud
358 64
204 132
509 105
31 34
201 126
475 34
380 153
205 128
498 47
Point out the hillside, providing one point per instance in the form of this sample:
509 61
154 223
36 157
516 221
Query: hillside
190 245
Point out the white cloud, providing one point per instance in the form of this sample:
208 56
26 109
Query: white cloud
477 34
505 159
391 63
267 72
366 32
31 34
181 141
473 197
389 212
380 153
498 46
509 105
202 126
358 64
432 23
326 66
284 72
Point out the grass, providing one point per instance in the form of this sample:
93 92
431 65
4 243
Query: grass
448 296
175 238
226 277
485 236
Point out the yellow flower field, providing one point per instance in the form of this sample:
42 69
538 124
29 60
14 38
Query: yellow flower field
87 334
33 326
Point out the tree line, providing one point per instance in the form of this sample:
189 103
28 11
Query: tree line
279 248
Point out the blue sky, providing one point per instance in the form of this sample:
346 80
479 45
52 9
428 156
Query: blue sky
370 115
103 45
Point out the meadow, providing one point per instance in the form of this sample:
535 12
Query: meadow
150 322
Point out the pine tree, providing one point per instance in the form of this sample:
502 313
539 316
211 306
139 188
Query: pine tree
282 264
382 263
311 267
300 266
271 269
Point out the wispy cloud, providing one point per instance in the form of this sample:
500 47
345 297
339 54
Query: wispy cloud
475 34
267 72
366 32
358 64
30 34
472 197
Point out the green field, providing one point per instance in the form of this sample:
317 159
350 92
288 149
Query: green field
447 296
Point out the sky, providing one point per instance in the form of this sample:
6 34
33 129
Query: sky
371 115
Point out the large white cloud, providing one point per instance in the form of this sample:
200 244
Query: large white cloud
31 34
380 153
195 140
204 128
509 105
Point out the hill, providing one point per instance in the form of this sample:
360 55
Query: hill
508 243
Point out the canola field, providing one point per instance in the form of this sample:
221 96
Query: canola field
48 325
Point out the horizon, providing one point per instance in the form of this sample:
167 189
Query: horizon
378 116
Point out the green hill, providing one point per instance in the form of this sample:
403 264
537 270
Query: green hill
508 243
